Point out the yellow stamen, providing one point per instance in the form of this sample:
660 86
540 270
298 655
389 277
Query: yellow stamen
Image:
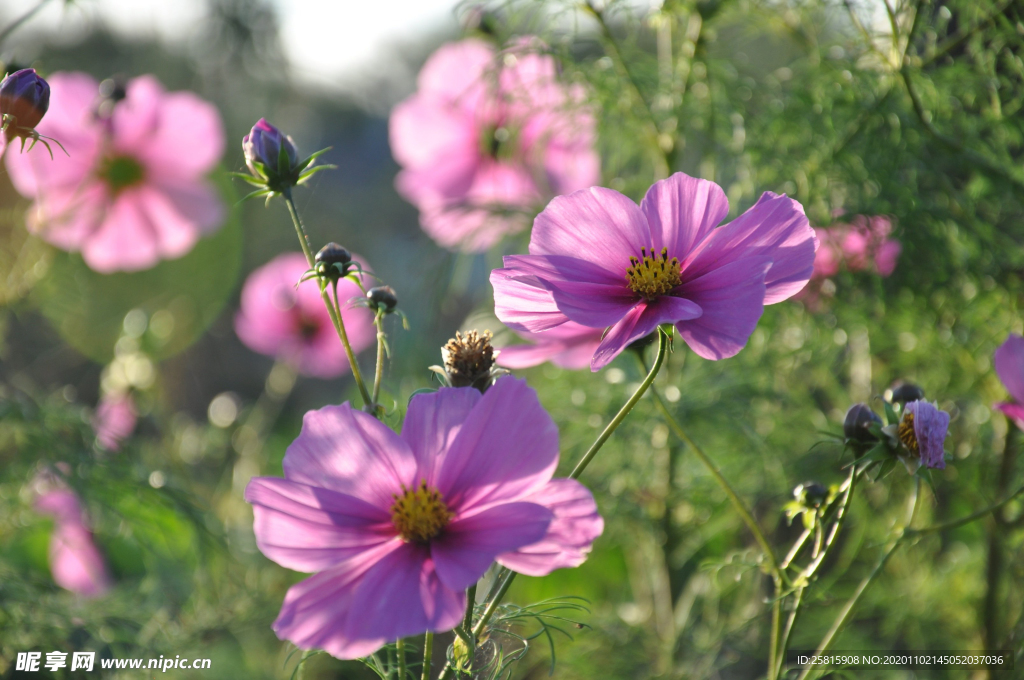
420 514
651 275
907 435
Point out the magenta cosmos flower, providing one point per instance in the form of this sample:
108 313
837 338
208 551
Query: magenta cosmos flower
131 189
114 420
1009 363
487 138
398 526
292 324
609 263
75 561
568 345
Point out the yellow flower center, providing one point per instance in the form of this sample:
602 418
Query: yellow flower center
651 276
907 435
420 514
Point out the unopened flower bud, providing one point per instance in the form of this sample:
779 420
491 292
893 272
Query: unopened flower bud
382 298
24 99
469 360
811 494
333 261
906 392
858 423
264 145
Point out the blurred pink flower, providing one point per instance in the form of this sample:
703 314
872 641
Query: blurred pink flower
608 263
114 420
291 323
487 138
1009 364
131 191
398 526
75 561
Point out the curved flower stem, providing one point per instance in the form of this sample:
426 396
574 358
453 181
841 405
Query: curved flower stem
333 309
844 615
16 24
506 575
737 502
663 340
428 653
378 321
467 623
402 670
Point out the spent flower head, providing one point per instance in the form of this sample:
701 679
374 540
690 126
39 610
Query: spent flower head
273 161
469 361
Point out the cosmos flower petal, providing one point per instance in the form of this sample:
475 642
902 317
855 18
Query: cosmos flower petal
731 299
171 150
114 420
351 452
76 562
489 464
402 595
567 227
569 536
569 345
522 302
682 212
309 528
125 240
775 228
455 72
1009 365
470 544
315 610
432 423
1014 412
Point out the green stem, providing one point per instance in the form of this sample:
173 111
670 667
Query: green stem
773 638
402 670
663 340
428 653
506 575
737 502
14 25
847 610
333 309
467 623
378 321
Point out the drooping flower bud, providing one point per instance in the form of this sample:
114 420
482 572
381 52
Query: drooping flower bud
811 494
24 99
859 419
333 261
382 298
906 392
469 360
271 155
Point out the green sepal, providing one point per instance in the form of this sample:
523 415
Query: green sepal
885 468
254 194
312 171
245 176
890 414
283 164
302 166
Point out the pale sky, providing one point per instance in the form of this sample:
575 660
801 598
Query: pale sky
326 40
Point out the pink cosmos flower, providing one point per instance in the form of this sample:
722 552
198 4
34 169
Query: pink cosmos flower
75 560
487 137
1009 364
923 430
292 324
131 191
609 263
114 420
398 526
569 345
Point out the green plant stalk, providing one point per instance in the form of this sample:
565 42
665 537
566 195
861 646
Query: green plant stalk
626 408
991 609
400 648
737 502
506 576
847 610
428 653
378 321
467 622
332 308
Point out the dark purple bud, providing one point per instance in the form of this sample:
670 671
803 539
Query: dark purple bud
25 97
333 261
382 298
858 421
811 494
264 144
906 392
